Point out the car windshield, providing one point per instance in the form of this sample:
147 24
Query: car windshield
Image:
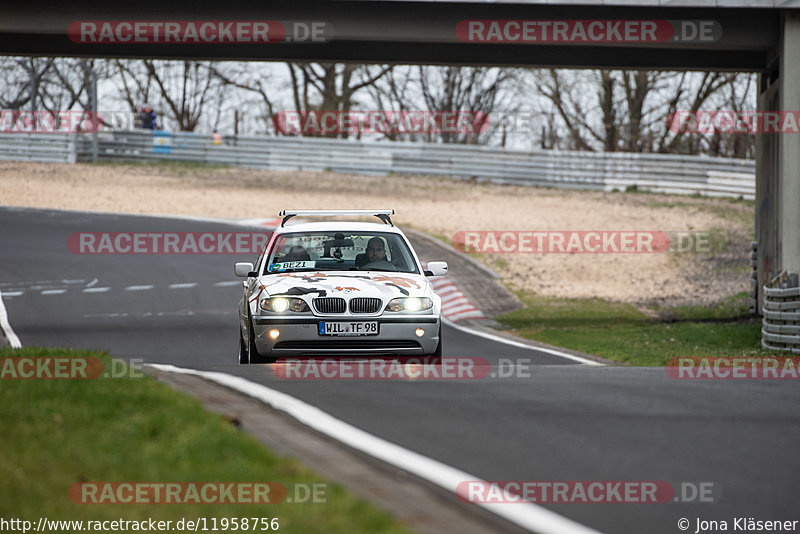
340 251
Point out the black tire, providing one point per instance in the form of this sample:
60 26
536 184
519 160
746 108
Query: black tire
438 352
244 358
252 352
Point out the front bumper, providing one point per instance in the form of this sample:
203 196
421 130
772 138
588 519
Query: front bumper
299 336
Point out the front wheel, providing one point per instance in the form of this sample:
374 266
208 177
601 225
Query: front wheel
244 357
252 352
438 352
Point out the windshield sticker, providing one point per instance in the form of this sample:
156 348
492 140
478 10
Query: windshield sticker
290 265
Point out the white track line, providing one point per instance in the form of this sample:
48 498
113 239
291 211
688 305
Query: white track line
93 289
13 340
183 286
529 516
518 344
138 288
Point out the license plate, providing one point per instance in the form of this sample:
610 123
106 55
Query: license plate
343 328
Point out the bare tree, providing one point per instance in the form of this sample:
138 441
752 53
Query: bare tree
631 110
396 94
22 79
640 92
567 92
134 84
482 95
53 85
247 78
476 90
68 83
609 110
690 93
740 98
180 90
331 86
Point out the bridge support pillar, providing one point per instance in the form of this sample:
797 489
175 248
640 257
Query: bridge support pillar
778 163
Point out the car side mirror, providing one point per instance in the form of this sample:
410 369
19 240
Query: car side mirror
436 268
244 269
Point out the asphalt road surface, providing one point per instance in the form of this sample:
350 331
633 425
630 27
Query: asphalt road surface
552 421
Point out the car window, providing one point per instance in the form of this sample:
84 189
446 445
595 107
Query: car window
340 251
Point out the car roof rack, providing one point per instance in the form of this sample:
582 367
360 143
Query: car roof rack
383 215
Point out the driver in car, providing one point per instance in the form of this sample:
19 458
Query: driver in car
375 250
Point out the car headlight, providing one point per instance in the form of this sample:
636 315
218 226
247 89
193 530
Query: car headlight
284 304
409 304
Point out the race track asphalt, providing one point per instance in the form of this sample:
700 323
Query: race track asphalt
555 421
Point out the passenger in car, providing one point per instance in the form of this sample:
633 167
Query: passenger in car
297 253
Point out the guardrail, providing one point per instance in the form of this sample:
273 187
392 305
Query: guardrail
604 171
54 148
781 323
666 173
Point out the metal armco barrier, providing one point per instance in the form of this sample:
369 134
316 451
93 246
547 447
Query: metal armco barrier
781 324
605 171
54 148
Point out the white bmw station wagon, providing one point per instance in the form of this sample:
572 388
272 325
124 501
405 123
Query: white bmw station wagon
348 289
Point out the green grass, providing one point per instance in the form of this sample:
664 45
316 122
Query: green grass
54 433
180 167
736 210
732 308
622 333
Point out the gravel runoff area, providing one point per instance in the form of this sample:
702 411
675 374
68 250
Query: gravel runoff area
440 207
